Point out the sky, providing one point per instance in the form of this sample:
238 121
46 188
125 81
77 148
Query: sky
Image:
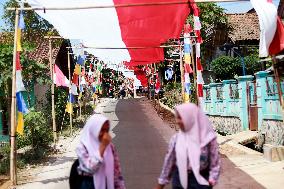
231 7
240 7
1 12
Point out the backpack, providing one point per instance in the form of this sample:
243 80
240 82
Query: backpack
75 180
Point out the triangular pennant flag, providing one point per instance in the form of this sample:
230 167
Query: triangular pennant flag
59 78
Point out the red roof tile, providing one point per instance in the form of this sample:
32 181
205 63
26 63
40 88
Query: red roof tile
244 27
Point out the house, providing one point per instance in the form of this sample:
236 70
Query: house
238 38
36 92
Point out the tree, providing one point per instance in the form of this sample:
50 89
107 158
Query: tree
34 24
210 14
226 67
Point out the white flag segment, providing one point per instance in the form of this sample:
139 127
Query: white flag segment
199 77
95 27
267 15
19 81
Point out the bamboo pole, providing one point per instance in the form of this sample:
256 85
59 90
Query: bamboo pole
181 73
155 72
13 152
194 73
79 99
121 5
132 47
61 127
51 65
69 76
175 78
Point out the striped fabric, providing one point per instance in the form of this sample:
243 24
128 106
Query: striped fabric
21 105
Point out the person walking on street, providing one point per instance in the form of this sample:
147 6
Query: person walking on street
192 160
98 159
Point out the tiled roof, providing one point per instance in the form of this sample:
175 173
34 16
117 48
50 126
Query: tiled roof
41 52
243 27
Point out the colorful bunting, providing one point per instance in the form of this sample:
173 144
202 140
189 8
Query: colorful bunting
197 27
187 61
21 104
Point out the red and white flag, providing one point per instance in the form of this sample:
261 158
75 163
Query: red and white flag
158 83
118 26
271 28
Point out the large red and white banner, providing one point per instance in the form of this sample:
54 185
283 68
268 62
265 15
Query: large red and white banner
119 27
271 28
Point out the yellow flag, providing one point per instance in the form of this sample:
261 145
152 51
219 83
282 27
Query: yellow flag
186 98
69 108
20 124
187 58
77 69
19 36
80 96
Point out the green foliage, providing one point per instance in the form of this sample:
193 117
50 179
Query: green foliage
4 159
226 67
34 144
61 97
252 64
172 96
32 71
210 14
37 133
33 22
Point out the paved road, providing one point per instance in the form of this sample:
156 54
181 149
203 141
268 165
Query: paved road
140 144
141 138
139 135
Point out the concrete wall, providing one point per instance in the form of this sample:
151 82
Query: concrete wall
273 131
227 103
226 125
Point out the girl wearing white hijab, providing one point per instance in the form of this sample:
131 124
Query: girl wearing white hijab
98 159
192 160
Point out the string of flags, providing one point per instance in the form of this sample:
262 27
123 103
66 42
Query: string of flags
187 61
199 69
81 79
21 104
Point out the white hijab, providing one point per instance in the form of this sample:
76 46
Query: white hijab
90 138
198 133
